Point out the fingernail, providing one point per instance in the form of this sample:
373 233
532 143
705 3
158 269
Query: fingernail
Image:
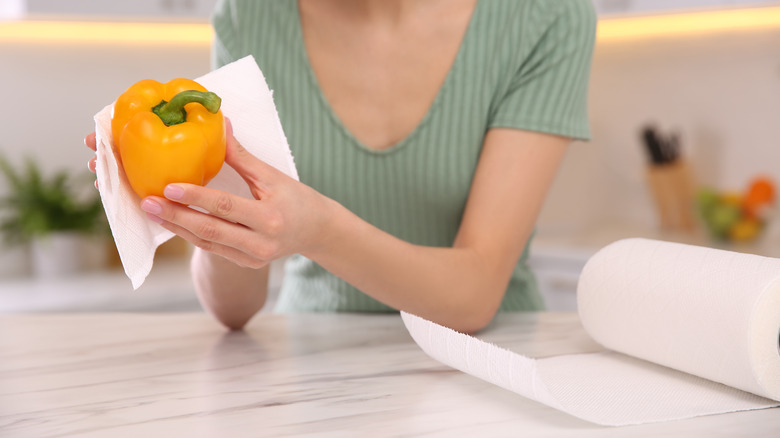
150 206
173 192
154 218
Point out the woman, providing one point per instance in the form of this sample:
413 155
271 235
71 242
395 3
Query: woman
426 134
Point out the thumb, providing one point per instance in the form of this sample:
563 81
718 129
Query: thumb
254 171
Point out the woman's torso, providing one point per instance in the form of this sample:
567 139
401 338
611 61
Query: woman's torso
412 180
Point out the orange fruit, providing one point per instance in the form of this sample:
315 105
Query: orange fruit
761 193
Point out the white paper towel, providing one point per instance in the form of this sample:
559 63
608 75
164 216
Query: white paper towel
248 103
694 331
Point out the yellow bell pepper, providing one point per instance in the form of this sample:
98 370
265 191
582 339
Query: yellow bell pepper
168 133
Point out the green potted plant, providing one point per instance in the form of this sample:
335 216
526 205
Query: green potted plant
54 215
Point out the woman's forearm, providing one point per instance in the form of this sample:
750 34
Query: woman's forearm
232 294
453 286
460 286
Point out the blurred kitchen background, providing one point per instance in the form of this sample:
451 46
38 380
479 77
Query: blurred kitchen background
684 104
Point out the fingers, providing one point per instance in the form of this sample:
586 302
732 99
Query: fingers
90 141
204 231
221 204
234 255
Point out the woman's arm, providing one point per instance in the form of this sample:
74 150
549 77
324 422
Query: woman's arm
231 293
460 287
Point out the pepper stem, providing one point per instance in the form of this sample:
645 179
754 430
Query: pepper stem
173 113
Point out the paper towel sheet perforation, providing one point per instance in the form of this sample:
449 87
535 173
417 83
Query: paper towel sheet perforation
699 327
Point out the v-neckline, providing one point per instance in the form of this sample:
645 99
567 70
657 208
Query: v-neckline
328 108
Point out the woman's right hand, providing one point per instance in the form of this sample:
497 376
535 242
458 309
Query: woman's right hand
91 143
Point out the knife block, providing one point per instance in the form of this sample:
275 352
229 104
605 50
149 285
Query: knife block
672 189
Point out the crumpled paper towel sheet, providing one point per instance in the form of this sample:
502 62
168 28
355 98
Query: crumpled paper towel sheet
248 103
693 331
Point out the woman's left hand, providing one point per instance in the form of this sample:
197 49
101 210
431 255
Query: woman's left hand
285 217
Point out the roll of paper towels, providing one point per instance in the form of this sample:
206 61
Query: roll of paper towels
691 331
703 311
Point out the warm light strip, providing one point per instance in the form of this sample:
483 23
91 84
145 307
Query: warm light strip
105 33
609 29
688 23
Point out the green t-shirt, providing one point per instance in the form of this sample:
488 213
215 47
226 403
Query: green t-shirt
522 64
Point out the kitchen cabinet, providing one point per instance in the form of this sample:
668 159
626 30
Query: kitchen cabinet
188 10
200 10
168 288
607 7
557 270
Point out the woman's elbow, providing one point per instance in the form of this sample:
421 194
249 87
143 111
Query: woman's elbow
474 323
232 321
474 315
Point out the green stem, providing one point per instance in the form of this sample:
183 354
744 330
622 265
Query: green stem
173 113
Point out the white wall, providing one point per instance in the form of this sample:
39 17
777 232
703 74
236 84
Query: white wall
722 92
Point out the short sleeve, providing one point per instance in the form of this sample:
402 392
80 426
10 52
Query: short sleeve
547 90
226 42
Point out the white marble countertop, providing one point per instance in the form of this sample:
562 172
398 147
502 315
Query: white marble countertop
181 375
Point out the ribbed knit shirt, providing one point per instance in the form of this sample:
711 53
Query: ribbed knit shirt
522 64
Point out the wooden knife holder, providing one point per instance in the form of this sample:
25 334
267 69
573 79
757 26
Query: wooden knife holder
672 188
